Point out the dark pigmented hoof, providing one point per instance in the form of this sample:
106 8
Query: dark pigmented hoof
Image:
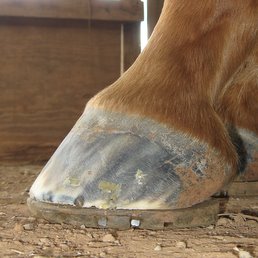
117 161
250 145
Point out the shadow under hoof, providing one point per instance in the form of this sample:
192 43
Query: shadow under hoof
118 161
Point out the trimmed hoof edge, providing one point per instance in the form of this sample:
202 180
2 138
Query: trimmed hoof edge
203 214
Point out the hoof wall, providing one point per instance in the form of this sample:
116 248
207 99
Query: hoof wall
116 161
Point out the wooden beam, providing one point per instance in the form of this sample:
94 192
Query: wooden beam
154 10
49 70
132 45
124 10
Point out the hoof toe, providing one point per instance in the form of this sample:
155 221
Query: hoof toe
113 161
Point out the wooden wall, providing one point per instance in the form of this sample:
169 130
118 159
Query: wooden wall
154 10
54 56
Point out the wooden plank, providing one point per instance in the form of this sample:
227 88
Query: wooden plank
132 44
154 10
47 63
124 10
48 71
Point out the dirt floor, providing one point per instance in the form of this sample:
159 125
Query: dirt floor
24 236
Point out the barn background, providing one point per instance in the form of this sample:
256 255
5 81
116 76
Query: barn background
54 56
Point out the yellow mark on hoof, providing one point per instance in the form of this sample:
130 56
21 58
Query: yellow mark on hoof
109 187
111 191
140 176
72 181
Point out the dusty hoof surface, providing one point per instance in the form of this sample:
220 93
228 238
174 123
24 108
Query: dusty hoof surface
117 161
199 215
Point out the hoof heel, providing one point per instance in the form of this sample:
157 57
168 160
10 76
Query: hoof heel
250 141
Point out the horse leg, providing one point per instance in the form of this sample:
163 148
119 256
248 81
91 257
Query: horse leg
238 108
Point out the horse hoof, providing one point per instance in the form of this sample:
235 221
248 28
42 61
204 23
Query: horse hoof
116 161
